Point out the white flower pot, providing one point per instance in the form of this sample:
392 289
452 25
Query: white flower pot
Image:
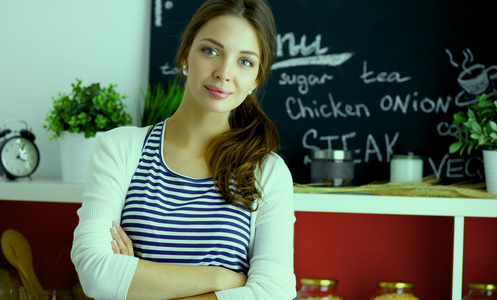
490 163
75 151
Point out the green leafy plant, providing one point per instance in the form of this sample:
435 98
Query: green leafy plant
160 104
478 126
87 109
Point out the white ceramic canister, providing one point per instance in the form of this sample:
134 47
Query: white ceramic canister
407 167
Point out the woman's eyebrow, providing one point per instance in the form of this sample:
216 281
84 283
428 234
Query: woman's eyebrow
214 42
249 52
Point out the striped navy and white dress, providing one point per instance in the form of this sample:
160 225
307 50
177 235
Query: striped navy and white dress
181 220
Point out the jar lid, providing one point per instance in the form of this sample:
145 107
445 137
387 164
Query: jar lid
332 154
482 286
407 153
314 281
396 285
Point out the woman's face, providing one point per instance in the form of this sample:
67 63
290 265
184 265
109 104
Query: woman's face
223 63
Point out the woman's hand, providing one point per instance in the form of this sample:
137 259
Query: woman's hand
121 243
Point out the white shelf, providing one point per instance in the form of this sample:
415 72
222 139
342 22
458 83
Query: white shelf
53 190
395 205
41 190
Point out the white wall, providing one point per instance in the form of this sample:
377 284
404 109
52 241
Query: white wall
45 45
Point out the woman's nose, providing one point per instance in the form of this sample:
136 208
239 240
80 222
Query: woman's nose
223 72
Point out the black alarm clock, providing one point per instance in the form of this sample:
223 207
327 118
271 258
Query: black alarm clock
19 156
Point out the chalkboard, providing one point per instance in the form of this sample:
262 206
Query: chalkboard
371 76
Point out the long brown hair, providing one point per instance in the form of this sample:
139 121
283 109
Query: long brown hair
233 156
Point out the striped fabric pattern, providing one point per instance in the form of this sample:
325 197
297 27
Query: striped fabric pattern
180 220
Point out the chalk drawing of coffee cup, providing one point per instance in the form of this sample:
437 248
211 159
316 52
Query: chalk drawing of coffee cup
475 80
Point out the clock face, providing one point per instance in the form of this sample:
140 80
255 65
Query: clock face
19 156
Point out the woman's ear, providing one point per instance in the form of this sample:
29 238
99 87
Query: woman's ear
184 66
184 62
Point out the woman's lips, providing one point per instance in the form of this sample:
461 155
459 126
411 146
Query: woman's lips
217 92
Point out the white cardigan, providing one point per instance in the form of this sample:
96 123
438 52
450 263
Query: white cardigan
105 275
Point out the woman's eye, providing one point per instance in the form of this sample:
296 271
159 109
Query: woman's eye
209 51
246 62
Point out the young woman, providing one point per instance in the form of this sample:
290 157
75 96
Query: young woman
201 199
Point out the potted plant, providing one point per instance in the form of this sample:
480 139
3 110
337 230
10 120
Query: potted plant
479 131
77 118
159 103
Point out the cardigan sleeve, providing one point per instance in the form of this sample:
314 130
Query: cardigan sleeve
104 275
271 274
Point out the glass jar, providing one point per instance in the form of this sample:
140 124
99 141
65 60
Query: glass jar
332 167
395 290
318 289
406 167
481 291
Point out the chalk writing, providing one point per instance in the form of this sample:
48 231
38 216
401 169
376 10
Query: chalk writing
311 140
392 77
426 105
157 13
299 108
446 129
168 70
302 53
303 81
296 109
300 48
457 167
305 51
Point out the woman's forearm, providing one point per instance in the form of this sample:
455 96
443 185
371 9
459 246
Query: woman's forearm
166 281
